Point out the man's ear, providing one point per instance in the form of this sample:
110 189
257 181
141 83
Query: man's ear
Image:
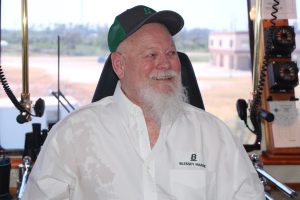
118 64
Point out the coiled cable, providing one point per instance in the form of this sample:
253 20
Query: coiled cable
275 11
9 92
256 102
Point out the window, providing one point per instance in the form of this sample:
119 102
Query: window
83 49
230 43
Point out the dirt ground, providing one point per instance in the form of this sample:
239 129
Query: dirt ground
220 88
219 92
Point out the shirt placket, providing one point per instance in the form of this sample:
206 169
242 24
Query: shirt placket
149 183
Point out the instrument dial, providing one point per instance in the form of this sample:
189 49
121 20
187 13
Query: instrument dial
284 35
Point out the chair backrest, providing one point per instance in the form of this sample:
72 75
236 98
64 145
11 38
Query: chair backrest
108 81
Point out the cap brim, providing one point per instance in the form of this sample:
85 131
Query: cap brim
172 20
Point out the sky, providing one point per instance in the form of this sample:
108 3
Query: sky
228 15
212 14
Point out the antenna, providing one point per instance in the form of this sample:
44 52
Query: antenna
58 77
25 105
59 94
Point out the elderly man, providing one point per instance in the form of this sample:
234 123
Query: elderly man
145 141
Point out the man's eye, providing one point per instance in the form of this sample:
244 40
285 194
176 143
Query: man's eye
172 53
151 55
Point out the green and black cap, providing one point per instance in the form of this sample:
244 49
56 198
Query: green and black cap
134 18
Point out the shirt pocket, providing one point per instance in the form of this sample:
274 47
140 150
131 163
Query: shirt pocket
188 184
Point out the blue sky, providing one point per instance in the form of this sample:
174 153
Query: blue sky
213 14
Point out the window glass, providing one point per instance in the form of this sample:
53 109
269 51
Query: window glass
76 30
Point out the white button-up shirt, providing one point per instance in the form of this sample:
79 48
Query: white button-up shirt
102 152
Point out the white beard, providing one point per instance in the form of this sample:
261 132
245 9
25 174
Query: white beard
167 105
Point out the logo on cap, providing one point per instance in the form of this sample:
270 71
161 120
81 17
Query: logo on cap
147 11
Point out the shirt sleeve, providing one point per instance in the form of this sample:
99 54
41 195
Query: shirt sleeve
237 178
247 184
52 174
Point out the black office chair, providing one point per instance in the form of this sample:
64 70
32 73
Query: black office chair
108 81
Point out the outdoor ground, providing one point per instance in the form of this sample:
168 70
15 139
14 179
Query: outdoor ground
220 88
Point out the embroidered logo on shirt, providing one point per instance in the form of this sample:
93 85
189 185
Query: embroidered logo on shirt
194 157
192 162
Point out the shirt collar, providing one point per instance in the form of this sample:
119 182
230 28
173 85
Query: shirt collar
135 122
125 104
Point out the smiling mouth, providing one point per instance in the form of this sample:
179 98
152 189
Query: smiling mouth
162 77
167 75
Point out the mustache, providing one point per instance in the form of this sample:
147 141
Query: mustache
162 75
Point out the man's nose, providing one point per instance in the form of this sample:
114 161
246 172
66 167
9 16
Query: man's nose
164 62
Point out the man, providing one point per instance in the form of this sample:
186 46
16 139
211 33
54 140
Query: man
144 142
